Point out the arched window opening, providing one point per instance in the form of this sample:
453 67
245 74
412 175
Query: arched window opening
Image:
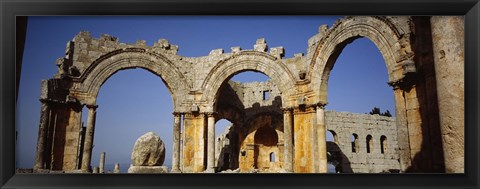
354 143
332 136
272 157
369 143
383 144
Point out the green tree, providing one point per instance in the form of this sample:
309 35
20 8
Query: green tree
387 113
375 110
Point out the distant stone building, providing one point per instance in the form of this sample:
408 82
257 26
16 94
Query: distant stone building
280 125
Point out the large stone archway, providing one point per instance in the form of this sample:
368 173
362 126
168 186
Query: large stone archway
87 86
393 36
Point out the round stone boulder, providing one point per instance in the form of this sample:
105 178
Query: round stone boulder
149 150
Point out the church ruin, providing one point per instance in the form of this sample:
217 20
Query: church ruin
279 125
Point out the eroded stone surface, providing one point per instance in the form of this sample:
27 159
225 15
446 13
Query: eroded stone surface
297 84
148 150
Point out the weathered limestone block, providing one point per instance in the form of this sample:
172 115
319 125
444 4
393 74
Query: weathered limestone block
260 45
278 52
236 49
216 52
149 150
148 169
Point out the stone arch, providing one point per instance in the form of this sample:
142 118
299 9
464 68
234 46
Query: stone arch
334 135
247 61
383 144
266 136
355 145
391 40
89 83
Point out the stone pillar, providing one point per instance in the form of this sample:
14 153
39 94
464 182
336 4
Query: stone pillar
95 169
176 143
448 52
88 145
211 143
116 169
322 140
402 129
288 137
102 163
42 134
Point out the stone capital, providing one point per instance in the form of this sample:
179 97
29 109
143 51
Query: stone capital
286 109
310 108
210 114
406 82
177 114
91 106
44 101
321 105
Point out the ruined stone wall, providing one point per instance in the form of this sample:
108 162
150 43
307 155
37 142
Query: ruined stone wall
298 88
346 124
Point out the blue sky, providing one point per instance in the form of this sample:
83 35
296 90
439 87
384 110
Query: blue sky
133 102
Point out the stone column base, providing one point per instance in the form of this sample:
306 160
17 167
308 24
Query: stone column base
175 171
75 171
148 169
41 171
209 170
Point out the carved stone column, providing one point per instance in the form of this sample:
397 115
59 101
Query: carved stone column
287 133
102 163
211 142
322 140
402 129
88 145
448 52
42 134
176 143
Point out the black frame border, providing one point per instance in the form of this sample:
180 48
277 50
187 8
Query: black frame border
12 36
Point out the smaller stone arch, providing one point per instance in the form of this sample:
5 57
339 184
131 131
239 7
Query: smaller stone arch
266 136
355 146
272 156
383 144
247 61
